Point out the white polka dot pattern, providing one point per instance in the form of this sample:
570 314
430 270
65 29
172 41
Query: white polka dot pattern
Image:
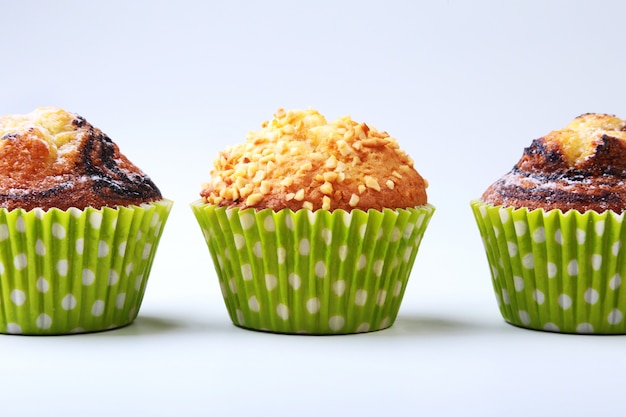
43 321
58 231
69 302
554 271
4 232
313 305
76 270
314 273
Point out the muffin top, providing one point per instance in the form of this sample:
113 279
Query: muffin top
53 158
299 160
580 167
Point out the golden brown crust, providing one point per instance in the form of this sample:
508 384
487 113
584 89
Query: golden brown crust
580 167
298 160
53 158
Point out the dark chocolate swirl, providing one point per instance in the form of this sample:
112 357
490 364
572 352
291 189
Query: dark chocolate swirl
87 170
547 177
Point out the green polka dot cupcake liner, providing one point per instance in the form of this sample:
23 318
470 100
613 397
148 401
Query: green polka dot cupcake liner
76 271
311 272
555 271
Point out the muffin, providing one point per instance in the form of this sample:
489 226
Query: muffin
79 226
553 230
313 227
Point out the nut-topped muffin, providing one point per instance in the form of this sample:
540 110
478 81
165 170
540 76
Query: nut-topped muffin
54 158
581 167
313 226
299 160
554 230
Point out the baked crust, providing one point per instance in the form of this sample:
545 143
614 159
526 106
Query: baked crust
298 160
53 158
581 167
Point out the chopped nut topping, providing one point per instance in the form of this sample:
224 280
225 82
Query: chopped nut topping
317 156
254 199
343 147
326 188
265 187
259 176
370 182
246 190
360 131
252 169
354 200
297 151
325 203
234 194
374 143
330 176
267 158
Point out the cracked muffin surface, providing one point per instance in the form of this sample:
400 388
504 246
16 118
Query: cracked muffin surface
51 158
580 167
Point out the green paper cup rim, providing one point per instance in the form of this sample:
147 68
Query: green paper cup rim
198 204
75 210
555 211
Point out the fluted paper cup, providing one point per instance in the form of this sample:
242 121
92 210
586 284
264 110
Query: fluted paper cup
76 271
556 271
310 272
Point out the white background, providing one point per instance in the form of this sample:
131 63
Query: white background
464 87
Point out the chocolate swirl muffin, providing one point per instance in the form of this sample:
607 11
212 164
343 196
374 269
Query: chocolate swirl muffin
580 167
299 160
53 158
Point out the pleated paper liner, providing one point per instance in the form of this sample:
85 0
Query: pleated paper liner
556 271
76 271
313 272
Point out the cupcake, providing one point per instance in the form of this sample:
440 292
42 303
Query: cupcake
79 226
554 233
313 227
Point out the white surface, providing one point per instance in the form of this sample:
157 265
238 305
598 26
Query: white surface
464 86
